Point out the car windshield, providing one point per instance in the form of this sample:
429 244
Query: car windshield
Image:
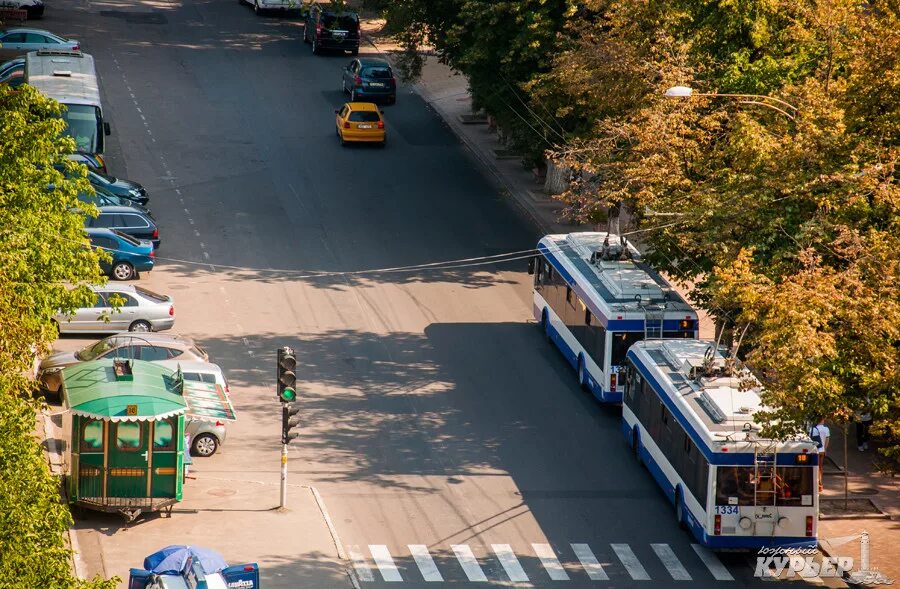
98 199
149 294
83 125
364 116
125 237
93 351
100 179
378 73
344 22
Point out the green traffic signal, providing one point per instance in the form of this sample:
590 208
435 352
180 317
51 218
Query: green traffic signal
288 395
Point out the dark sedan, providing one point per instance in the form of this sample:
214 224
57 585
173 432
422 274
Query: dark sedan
369 78
128 220
120 187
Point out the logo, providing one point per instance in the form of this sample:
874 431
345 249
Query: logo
242 584
800 562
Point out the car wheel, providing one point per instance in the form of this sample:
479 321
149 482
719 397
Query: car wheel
582 374
123 271
315 47
679 510
343 141
256 8
204 445
140 325
353 95
343 86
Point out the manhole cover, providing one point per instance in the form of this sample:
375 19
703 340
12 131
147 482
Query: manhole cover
222 492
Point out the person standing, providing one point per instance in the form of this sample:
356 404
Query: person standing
863 423
820 434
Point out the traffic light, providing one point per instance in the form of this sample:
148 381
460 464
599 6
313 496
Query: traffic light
289 419
286 376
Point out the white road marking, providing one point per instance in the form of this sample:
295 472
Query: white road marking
177 191
671 562
550 562
206 255
630 562
468 562
143 118
138 108
187 212
590 563
202 245
715 566
425 563
191 221
385 562
510 563
196 233
359 564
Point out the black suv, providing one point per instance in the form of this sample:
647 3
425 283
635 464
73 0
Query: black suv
329 29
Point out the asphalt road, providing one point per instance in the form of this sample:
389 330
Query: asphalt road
435 415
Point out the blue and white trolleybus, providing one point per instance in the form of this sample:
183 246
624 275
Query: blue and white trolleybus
594 298
688 414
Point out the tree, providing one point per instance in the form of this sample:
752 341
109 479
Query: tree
787 222
46 264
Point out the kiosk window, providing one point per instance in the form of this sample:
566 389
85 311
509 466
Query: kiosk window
128 435
92 436
163 435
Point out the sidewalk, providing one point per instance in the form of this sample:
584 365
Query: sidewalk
446 92
874 502
237 517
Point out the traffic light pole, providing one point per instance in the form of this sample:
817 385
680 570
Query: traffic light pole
284 448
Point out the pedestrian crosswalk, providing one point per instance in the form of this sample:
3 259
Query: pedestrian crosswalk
501 563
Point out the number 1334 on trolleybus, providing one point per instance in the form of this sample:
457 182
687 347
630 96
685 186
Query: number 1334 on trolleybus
594 298
688 414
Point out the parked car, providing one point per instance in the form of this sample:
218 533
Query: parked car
34 8
120 187
369 78
130 256
360 122
102 198
146 346
206 436
127 220
14 76
93 161
12 63
261 7
331 29
139 310
34 39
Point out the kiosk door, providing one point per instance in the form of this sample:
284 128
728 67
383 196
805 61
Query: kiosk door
129 456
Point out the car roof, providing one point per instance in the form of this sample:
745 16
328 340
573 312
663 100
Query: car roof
193 366
369 106
27 30
116 287
119 209
373 61
152 337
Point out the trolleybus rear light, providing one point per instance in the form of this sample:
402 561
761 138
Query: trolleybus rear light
612 382
809 525
717 527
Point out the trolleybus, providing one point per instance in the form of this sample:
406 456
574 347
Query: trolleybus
688 414
594 298
69 78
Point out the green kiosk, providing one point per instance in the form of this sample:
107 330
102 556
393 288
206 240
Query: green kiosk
124 426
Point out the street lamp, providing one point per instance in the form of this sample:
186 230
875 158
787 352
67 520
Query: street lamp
759 99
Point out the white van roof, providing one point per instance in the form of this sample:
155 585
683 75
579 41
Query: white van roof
192 366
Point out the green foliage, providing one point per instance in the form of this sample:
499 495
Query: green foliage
786 221
46 263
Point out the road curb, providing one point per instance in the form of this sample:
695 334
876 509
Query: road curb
520 202
320 503
51 450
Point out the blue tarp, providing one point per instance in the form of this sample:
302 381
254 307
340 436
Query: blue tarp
171 559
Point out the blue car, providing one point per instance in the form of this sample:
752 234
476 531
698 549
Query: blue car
129 255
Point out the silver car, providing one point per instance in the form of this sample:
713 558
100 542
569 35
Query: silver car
34 39
206 436
139 310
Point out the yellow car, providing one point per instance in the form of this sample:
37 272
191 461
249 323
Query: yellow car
360 121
